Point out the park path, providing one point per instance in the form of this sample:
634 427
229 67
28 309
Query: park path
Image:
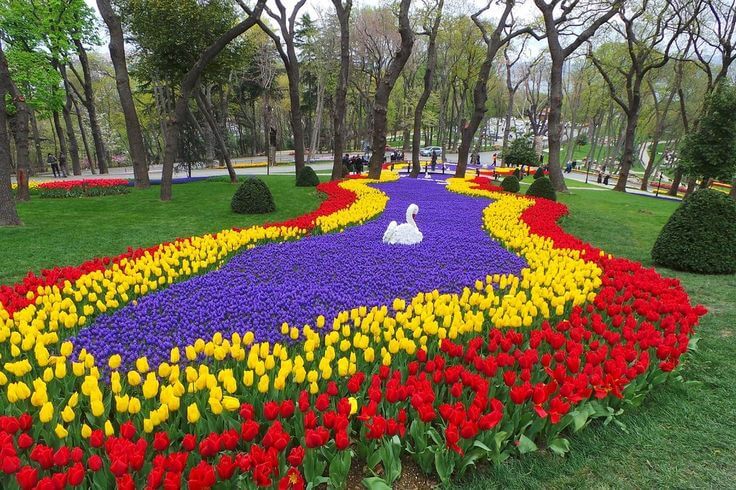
294 282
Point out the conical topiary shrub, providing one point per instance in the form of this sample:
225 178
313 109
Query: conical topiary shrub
539 173
542 187
510 184
307 178
700 236
253 197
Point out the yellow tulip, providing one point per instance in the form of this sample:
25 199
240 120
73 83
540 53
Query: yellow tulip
141 364
60 431
109 430
46 413
67 415
114 361
86 431
193 413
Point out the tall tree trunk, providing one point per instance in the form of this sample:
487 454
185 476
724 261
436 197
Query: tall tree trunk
205 108
89 103
428 85
66 111
314 141
39 164
122 82
385 86
554 126
676 181
187 86
480 92
8 212
62 139
627 159
83 133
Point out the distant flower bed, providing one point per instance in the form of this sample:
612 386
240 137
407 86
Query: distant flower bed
83 188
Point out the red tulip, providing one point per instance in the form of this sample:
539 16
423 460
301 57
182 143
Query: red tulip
27 477
296 456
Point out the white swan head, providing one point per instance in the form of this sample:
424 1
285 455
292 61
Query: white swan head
411 212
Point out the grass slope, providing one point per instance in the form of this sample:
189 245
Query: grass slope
683 434
70 231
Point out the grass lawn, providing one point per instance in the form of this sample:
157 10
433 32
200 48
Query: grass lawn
70 231
684 434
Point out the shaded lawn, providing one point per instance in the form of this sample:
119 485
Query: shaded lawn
69 231
684 434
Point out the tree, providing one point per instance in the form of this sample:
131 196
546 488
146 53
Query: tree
520 152
385 86
429 73
122 82
502 33
562 21
187 86
647 47
341 91
710 151
514 80
8 213
287 51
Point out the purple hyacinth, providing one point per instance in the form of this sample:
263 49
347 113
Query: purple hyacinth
294 282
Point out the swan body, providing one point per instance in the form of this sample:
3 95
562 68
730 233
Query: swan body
406 233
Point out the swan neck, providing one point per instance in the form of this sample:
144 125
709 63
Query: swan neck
410 218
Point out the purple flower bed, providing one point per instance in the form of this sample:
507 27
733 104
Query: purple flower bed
295 282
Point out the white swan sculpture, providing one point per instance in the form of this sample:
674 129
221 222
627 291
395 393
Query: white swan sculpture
405 233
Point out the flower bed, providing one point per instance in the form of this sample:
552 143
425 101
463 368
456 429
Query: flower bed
510 362
83 188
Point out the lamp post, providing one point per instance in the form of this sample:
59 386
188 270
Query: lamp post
659 185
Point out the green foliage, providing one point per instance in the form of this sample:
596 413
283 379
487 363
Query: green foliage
542 187
539 173
82 191
510 184
172 34
520 152
582 139
307 178
700 236
253 197
710 151
36 79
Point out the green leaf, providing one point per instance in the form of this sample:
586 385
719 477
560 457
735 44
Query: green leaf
560 446
500 439
444 464
526 445
579 418
375 483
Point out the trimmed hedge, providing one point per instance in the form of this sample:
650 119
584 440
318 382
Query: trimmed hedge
510 184
542 187
253 197
700 236
307 178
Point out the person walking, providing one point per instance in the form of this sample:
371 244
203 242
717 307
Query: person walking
51 160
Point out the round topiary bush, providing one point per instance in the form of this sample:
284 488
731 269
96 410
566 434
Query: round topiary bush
542 187
700 236
307 178
539 173
253 197
510 184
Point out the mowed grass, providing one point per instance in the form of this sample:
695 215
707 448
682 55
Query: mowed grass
60 232
684 434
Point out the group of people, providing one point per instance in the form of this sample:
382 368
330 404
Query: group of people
58 167
354 164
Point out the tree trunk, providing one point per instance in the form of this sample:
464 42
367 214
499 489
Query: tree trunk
187 86
73 146
83 133
314 141
39 167
676 181
554 123
733 189
205 109
385 86
8 212
627 159
295 113
62 139
89 103
426 93
122 81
